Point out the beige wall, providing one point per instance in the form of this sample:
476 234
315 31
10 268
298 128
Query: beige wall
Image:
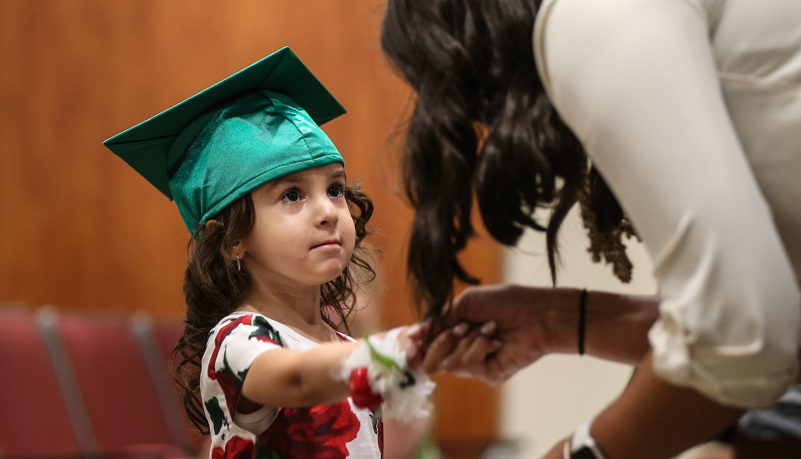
545 402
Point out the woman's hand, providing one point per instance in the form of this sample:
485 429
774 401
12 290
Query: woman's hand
456 350
492 332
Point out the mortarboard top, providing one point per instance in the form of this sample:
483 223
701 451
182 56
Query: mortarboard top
252 127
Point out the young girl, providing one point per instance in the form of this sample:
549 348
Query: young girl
276 252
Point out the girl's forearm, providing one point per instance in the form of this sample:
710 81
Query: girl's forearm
289 378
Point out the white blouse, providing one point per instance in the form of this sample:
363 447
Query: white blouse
691 110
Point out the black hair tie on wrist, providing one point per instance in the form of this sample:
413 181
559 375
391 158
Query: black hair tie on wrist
582 320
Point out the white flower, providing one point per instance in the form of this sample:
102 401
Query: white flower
405 391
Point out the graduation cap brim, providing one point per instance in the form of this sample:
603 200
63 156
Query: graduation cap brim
146 146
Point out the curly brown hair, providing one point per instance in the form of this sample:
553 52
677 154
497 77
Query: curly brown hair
214 287
481 123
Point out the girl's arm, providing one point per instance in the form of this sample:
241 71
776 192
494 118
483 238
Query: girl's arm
389 366
283 377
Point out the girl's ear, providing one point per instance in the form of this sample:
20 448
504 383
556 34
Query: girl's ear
236 251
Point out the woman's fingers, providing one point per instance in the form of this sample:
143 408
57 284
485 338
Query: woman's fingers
456 348
442 346
464 352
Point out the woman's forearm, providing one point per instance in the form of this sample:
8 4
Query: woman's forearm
655 419
616 325
531 322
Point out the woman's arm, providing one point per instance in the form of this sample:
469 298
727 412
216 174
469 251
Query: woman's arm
530 322
669 419
654 419
616 326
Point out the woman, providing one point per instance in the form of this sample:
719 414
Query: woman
690 112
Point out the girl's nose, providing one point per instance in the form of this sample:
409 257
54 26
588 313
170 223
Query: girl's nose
327 211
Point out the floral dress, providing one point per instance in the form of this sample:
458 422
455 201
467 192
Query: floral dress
331 431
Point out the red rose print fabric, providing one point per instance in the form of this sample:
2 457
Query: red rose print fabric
319 432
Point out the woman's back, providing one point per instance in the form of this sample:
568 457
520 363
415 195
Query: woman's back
691 110
756 47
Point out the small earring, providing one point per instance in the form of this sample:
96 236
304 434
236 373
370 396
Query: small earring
238 264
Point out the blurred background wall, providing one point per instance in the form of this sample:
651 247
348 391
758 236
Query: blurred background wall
79 229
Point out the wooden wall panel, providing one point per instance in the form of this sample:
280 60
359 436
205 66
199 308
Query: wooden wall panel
80 229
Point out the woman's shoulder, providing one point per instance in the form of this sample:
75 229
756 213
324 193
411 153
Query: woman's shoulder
583 17
571 34
583 13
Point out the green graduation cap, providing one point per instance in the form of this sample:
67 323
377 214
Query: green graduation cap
255 126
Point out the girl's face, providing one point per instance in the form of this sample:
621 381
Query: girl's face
303 235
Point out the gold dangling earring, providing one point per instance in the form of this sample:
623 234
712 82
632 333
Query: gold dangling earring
238 264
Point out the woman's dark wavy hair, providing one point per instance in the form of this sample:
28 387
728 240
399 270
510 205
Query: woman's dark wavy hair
214 287
481 122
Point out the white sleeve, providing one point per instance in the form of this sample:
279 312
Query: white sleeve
636 81
241 347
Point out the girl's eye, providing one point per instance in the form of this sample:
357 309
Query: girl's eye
291 196
336 191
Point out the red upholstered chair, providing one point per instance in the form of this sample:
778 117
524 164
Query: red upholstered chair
157 337
114 381
34 419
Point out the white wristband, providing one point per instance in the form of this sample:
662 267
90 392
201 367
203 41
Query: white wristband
583 445
406 391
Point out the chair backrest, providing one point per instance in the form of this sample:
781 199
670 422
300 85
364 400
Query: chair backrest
35 419
166 334
113 379
156 339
